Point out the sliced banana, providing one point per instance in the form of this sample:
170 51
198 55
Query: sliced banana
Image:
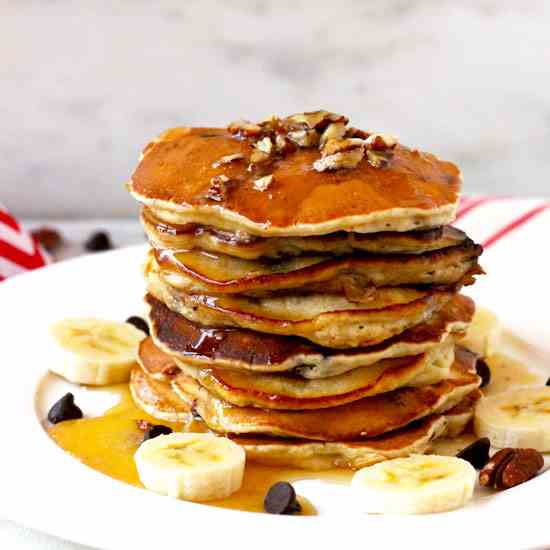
484 332
191 466
95 352
418 484
516 418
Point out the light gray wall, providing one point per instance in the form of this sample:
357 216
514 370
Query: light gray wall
82 91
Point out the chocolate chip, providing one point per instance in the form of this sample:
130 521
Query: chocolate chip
156 430
64 409
281 499
139 323
477 454
48 237
548 382
484 372
98 242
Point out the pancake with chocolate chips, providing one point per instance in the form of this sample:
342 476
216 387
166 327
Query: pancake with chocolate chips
415 438
241 349
366 417
355 276
164 236
327 320
292 392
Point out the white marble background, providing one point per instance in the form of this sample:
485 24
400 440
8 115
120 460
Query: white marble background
84 85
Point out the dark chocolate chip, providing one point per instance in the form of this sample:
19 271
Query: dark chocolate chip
156 430
281 499
548 382
139 323
64 409
477 454
484 372
48 237
98 242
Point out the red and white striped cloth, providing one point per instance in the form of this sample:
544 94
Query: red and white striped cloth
19 251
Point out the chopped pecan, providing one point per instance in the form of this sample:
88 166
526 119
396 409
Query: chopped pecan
227 159
304 138
284 145
245 128
378 159
317 120
263 151
357 133
219 188
345 159
510 467
338 145
336 130
261 184
380 142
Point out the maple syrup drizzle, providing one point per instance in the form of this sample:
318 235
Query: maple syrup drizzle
107 443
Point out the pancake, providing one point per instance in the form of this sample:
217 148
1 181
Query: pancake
199 272
152 396
249 247
364 418
416 438
330 321
415 190
241 349
291 392
313 455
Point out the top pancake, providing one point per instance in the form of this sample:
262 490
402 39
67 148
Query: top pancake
415 190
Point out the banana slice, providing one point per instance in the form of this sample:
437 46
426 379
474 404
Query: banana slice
516 418
418 484
96 352
484 332
191 466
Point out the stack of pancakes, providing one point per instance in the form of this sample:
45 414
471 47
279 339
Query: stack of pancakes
309 313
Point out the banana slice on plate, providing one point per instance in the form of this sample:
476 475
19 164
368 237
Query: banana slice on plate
95 352
418 484
484 332
191 466
516 418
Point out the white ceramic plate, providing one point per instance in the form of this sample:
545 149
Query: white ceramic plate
43 487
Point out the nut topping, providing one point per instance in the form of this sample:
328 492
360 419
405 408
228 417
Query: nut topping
345 159
261 184
227 159
510 467
219 187
336 130
377 160
340 146
317 119
380 142
245 128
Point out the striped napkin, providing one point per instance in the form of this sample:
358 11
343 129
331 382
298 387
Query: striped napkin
515 234
19 251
